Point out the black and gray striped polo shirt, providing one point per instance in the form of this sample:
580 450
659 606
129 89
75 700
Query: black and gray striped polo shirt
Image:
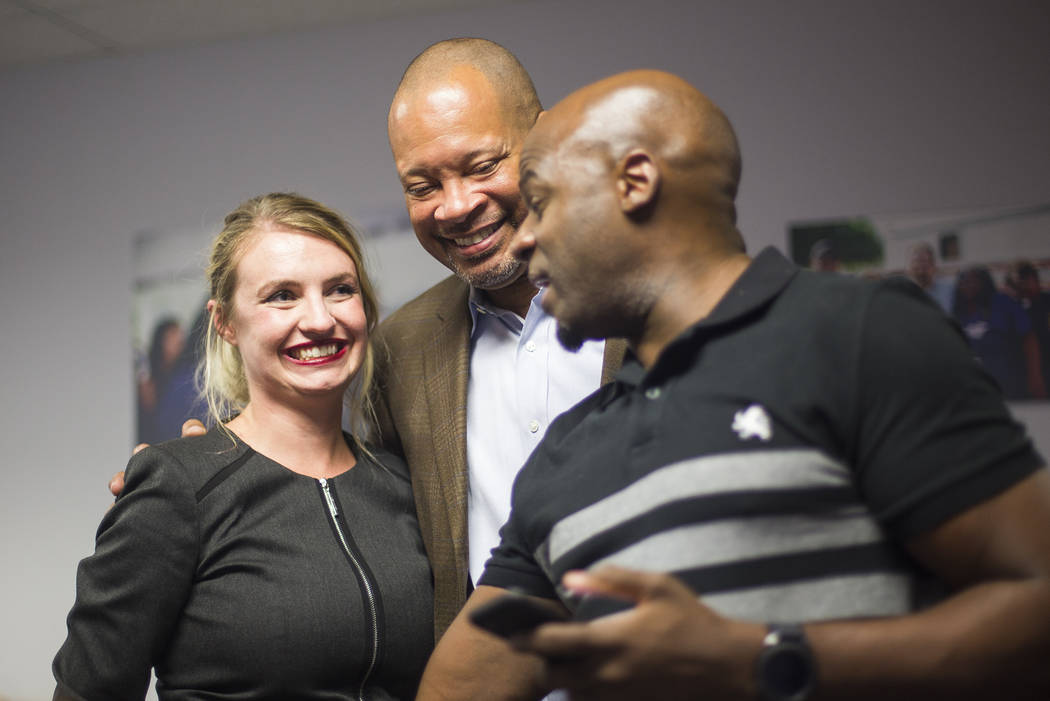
775 457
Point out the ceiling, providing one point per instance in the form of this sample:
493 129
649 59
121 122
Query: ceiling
38 31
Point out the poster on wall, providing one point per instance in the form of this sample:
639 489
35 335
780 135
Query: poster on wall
167 324
168 316
989 269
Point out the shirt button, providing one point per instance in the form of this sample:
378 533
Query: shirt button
530 346
534 426
652 393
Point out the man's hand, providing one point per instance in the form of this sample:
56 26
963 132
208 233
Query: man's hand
669 646
192 427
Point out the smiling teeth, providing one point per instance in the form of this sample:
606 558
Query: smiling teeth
471 240
313 352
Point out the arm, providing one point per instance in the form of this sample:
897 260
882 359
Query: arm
131 590
990 639
469 663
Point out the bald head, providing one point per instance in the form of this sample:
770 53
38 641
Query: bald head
686 135
630 187
447 62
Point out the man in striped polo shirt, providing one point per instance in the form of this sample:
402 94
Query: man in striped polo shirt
788 448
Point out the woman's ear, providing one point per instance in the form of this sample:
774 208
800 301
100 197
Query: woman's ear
222 327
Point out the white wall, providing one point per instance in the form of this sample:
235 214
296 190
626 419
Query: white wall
841 108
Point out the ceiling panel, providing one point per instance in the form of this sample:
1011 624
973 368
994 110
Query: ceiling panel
34 31
29 38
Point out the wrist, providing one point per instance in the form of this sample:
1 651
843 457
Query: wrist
739 650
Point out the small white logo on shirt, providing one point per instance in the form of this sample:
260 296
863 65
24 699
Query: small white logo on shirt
753 422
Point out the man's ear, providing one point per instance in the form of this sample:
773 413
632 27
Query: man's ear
218 318
638 182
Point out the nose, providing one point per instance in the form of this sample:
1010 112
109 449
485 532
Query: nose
458 201
316 319
524 241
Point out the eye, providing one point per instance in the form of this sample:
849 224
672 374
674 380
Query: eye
344 289
419 189
485 167
279 296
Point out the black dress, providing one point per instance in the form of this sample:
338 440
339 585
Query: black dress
237 578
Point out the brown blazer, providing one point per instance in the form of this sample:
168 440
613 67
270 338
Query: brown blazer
422 368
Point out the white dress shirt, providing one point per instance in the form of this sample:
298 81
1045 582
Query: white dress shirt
521 378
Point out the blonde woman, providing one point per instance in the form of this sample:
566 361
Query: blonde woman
276 557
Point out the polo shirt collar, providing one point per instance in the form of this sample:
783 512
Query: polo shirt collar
761 282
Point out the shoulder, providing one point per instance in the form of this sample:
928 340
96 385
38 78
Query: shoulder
382 477
448 296
190 461
842 289
434 317
833 299
386 461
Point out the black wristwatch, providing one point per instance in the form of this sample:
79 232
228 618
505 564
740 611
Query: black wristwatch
786 670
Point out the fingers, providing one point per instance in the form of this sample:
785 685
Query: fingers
116 482
619 583
193 427
556 641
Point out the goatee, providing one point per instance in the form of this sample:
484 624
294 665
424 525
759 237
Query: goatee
569 339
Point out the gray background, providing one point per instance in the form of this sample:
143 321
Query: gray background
841 108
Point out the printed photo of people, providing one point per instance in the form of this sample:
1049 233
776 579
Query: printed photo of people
167 326
988 269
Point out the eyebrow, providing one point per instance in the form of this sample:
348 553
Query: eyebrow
277 284
498 151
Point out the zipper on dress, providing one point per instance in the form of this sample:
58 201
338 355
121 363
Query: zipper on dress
370 596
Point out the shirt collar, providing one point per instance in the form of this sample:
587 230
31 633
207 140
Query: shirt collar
480 305
761 282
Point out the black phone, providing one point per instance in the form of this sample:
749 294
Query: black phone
512 614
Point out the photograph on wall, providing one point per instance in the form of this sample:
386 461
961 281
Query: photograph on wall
167 324
989 269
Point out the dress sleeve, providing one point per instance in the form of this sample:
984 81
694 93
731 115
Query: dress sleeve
933 434
131 591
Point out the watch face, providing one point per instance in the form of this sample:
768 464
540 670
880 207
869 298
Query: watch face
787 671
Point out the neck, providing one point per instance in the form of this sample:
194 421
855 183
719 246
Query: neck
688 296
515 297
308 441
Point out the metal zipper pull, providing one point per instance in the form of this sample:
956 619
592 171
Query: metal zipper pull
328 497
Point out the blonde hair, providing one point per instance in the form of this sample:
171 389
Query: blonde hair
220 374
